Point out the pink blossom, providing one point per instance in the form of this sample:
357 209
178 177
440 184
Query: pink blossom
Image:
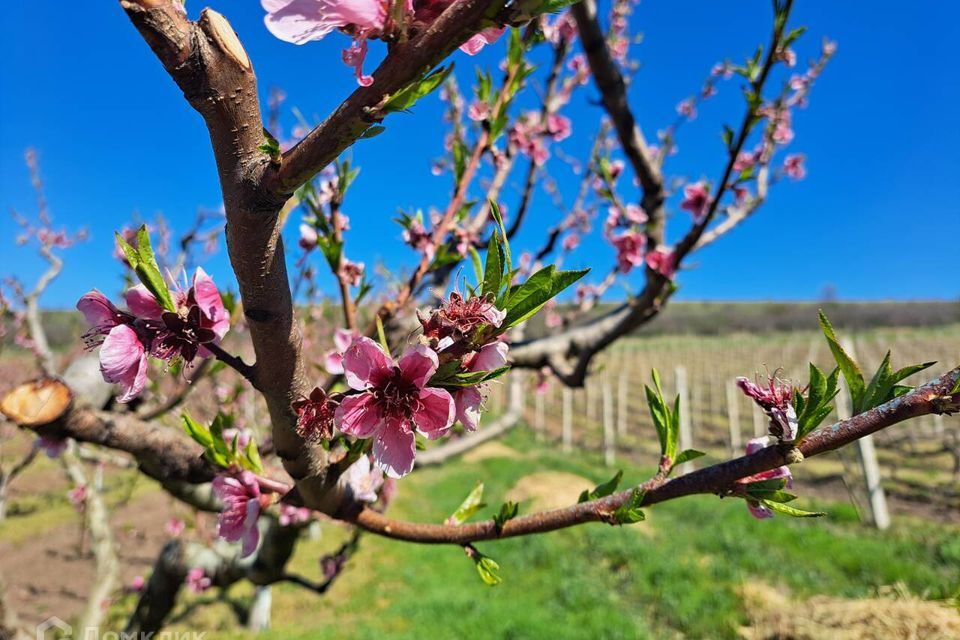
793 166
197 580
333 361
308 237
758 510
562 29
393 402
829 47
478 41
788 56
240 495
419 238
361 480
174 527
663 261
123 361
630 246
688 109
136 585
478 111
352 272
746 160
634 214
571 241
78 497
696 199
579 66
559 127
722 69
469 400
776 400
290 515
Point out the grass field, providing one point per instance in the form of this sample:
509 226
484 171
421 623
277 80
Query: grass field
682 573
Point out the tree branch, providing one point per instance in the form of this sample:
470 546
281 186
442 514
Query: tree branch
933 397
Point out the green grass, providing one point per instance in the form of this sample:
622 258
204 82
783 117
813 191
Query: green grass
678 574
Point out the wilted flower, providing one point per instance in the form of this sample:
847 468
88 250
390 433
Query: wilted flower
78 497
776 400
315 416
51 446
458 319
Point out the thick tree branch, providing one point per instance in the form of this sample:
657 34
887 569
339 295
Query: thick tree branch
933 397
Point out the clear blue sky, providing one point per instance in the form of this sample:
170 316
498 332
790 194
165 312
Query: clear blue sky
877 217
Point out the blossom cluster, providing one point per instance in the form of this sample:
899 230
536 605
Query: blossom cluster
126 338
390 400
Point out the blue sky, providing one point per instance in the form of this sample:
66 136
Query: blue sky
877 218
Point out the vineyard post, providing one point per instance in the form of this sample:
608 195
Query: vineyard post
609 435
538 418
567 434
686 428
879 514
622 404
733 417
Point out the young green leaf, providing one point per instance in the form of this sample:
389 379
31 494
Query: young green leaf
848 366
787 510
144 263
687 455
508 511
408 96
471 504
602 490
630 512
488 569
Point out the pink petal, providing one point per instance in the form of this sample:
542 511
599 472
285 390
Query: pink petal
418 364
364 363
299 21
251 534
491 356
342 339
478 41
122 361
358 415
394 449
468 403
759 511
97 309
333 363
207 296
142 303
436 412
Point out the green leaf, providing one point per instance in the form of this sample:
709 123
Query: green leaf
251 457
477 265
848 366
144 263
602 490
687 455
493 273
373 131
488 569
270 147
665 420
449 376
727 136
787 510
630 512
508 511
541 287
408 96
471 504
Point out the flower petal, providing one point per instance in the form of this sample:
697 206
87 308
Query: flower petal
358 415
97 309
207 297
418 363
394 449
436 412
142 303
123 362
364 363
468 403
491 356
